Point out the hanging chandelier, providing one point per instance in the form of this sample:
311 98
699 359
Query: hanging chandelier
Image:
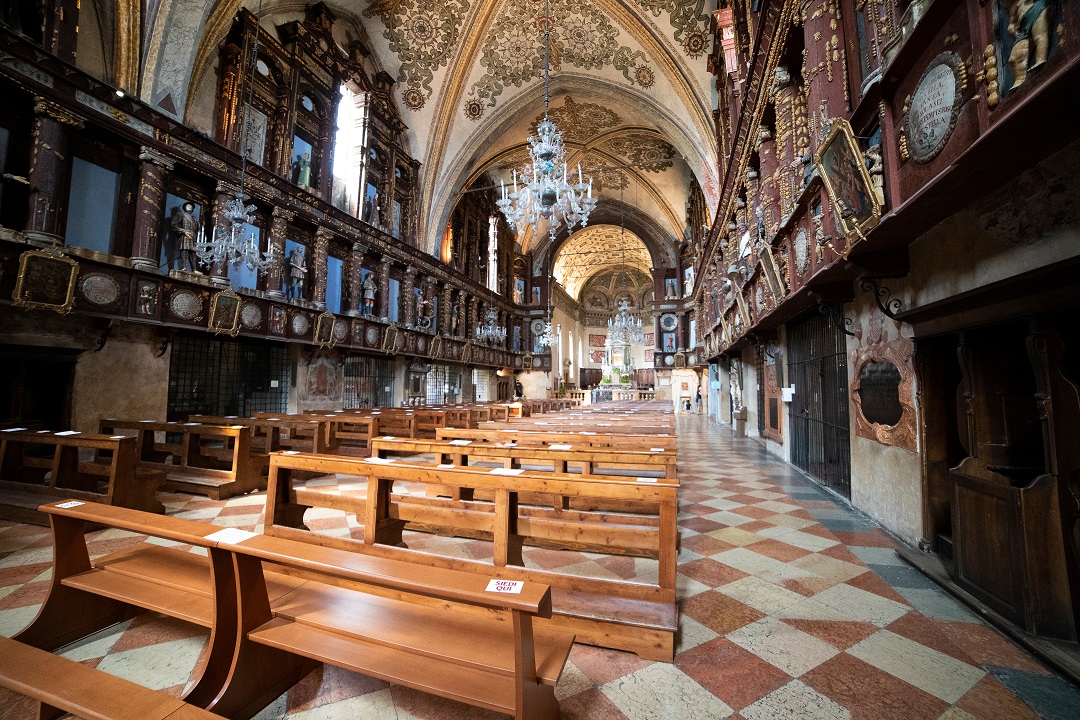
546 192
228 246
490 332
548 338
624 328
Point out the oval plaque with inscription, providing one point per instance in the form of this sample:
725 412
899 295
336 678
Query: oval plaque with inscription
185 305
250 316
300 324
100 289
935 106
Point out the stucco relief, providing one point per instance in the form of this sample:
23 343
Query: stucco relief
686 18
580 34
580 121
422 35
646 152
879 350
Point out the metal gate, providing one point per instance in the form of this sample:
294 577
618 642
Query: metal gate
820 436
369 382
227 377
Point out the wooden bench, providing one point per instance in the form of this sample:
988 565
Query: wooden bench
538 438
60 686
277 606
37 465
307 433
210 460
639 617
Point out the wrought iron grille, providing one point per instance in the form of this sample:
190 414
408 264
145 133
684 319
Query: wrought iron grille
227 377
763 411
369 382
820 436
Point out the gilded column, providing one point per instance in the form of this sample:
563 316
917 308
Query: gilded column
384 289
768 192
49 169
446 311
408 298
223 195
474 318
322 242
149 210
429 299
279 228
355 285
824 68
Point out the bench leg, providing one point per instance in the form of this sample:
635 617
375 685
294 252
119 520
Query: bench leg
48 712
534 701
508 542
223 633
258 673
379 526
67 613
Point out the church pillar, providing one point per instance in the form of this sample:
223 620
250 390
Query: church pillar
446 310
322 241
279 227
223 195
50 169
61 23
384 289
149 210
429 298
792 140
408 297
768 192
356 266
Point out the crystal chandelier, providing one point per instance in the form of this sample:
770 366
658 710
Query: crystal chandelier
624 328
490 332
546 193
228 246
548 338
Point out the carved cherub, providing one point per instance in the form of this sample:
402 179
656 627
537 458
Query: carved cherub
1029 23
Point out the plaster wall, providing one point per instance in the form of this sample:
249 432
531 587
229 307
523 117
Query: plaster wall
1030 223
125 379
886 481
535 383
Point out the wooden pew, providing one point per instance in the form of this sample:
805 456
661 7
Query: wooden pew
306 433
278 605
537 438
35 466
641 618
60 685
208 460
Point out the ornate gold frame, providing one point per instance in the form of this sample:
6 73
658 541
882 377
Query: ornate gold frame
22 295
233 327
771 271
840 131
324 326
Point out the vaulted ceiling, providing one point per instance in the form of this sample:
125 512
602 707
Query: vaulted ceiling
629 88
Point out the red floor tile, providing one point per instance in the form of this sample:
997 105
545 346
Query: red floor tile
872 694
736 676
840 634
720 613
710 572
990 700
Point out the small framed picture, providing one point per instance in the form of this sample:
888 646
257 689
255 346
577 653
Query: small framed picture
277 320
46 280
225 313
146 295
324 329
847 180
669 342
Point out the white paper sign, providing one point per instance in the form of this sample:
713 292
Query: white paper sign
117 437
788 393
69 504
507 471
587 432
230 536
379 460
604 424
445 466
648 480
461 442
510 587
656 449
388 437
662 435
559 447
69 432
15 429
290 452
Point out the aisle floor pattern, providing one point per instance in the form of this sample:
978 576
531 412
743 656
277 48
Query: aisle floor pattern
792 606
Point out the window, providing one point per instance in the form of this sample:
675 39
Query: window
394 298
242 276
334 269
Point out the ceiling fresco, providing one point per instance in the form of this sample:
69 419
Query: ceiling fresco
595 249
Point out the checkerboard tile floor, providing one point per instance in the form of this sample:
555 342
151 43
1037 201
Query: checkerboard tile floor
792 606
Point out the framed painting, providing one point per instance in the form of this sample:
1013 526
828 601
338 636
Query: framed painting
46 280
324 329
847 180
225 313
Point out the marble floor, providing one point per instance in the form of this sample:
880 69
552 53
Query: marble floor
792 606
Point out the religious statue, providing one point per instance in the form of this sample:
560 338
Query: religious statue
1030 25
519 389
302 169
368 289
371 210
297 271
876 167
184 227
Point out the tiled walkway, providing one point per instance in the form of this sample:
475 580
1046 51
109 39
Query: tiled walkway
792 607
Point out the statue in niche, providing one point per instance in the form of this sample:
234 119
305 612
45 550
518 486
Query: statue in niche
302 169
1030 23
297 271
876 167
371 210
367 294
184 226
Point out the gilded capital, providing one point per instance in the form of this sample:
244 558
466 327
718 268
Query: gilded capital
56 112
